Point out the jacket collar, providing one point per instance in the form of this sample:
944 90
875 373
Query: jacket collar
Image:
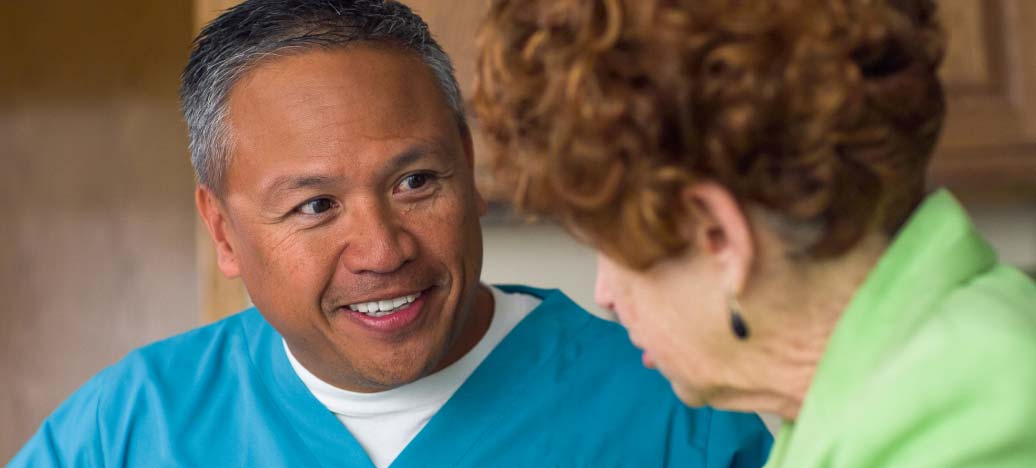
936 251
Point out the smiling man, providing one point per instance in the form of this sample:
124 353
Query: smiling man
351 216
334 169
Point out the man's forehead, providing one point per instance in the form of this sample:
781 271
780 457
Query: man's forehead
362 89
359 102
360 67
361 81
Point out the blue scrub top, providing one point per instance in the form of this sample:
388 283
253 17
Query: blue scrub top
564 388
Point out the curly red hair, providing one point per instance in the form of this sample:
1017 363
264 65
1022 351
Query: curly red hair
824 112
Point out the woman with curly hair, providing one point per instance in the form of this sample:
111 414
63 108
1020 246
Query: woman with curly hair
753 174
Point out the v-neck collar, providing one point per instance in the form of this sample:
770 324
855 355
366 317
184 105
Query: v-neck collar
327 439
937 250
454 429
493 390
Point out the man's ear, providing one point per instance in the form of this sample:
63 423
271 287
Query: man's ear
469 153
717 227
211 211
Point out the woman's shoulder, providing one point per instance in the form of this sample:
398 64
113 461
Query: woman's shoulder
980 339
960 385
986 327
1000 300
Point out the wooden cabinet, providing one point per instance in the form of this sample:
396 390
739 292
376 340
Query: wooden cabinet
988 147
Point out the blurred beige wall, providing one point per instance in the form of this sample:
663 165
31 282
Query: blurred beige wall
98 247
1011 228
97 238
543 255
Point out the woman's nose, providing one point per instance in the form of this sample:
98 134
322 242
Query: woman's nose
603 291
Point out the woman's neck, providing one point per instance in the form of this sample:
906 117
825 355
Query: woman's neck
793 313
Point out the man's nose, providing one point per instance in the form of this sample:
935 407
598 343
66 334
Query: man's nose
377 240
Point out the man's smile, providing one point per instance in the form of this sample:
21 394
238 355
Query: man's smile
385 317
383 307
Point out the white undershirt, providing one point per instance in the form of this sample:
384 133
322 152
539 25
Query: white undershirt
385 422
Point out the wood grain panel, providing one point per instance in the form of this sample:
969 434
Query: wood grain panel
988 146
1019 17
208 10
97 241
454 24
220 296
968 58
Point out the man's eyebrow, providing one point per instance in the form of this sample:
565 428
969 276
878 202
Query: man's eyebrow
288 183
296 182
409 156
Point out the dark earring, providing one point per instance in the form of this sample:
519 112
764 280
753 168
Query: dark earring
737 322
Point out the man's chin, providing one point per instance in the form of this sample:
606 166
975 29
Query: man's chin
390 376
388 365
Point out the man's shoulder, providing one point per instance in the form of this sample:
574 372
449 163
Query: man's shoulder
198 343
206 366
590 358
592 345
565 312
167 363
591 387
154 391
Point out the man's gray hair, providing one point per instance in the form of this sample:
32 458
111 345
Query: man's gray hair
244 35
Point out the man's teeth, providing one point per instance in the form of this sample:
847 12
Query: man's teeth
385 307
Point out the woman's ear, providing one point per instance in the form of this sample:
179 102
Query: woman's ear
717 227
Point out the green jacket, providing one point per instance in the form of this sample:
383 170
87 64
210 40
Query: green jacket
933 363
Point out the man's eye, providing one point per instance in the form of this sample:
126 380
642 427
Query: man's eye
414 181
315 206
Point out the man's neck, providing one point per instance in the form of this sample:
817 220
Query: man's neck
473 329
